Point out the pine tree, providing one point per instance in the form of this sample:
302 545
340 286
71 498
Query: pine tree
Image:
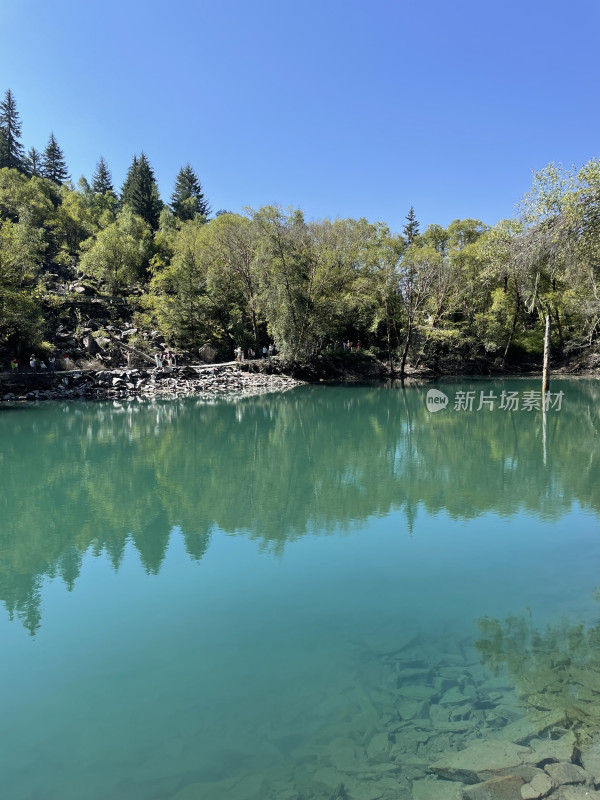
102 179
187 199
411 229
127 188
11 149
54 166
140 191
34 162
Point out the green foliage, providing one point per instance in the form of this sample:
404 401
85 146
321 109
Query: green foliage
411 228
187 200
21 249
182 304
140 191
116 255
34 163
461 291
54 166
308 278
102 179
11 149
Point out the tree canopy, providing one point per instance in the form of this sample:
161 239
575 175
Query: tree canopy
449 293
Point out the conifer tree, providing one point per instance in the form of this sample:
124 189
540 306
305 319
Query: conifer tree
140 191
102 179
127 188
11 149
34 162
188 199
411 229
54 166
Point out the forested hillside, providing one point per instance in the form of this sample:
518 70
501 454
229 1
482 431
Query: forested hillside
82 258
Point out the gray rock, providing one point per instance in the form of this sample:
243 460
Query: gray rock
590 759
480 761
576 793
539 786
533 725
436 790
554 749
505 787
564 773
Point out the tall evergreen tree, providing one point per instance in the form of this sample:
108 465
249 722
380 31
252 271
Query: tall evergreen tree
140 191
188 199
54 166
102 179
411 229
127 188
11 149
34 162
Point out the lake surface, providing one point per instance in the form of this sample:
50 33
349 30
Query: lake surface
268 597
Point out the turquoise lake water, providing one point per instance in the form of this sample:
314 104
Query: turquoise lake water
226 599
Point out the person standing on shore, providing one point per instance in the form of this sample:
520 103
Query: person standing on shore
52 362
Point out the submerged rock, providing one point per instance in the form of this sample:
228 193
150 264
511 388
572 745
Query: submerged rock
564 773
436 790
539 786
480 761
505 787
554 749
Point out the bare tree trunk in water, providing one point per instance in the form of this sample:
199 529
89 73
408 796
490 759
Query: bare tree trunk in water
545 375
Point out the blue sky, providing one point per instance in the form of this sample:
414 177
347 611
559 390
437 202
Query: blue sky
344 109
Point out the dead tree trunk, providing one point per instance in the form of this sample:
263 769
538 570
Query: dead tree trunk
545 375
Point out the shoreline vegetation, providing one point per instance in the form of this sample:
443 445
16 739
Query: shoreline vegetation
229 380
96 273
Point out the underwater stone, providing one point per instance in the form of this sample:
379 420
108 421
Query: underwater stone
481 761
591 761
436 790
505 787
539 786
526 728
564 773
576 793
555 749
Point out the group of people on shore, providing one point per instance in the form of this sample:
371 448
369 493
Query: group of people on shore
267 352
166 358
37 364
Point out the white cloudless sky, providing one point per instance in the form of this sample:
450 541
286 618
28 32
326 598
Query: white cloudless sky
341 108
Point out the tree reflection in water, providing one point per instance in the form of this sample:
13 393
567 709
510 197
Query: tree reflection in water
91 478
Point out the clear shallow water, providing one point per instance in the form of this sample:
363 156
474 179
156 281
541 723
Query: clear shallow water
199 593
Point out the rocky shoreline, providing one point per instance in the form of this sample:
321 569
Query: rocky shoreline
120 384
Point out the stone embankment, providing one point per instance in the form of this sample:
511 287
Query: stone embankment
89 384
